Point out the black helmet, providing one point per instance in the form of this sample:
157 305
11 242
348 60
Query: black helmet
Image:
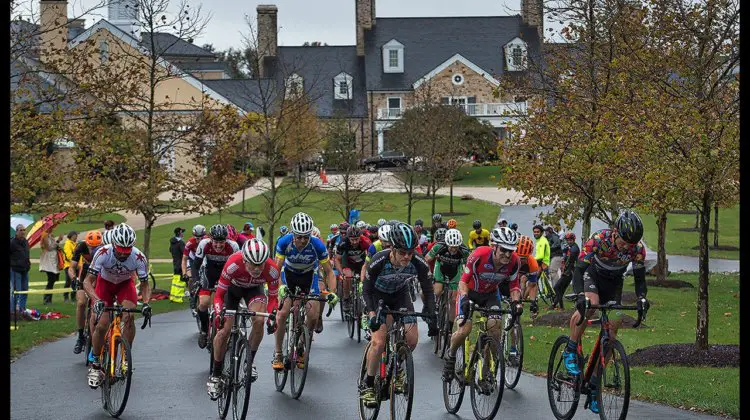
440 234
629 226
402 236
437 217
514 226
353 232
418 222
219 232
477 224
373 229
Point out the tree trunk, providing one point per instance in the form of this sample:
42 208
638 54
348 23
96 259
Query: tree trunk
451 195
661 254
588 210
243 198
147 236
716 226
697 216
701 329
433 187
409 199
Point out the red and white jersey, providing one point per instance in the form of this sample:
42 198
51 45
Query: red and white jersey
236 274
191 246
106 266
483 276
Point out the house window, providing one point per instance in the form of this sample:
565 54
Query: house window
342 86
458 79
517 56
104 51
294 85
393 57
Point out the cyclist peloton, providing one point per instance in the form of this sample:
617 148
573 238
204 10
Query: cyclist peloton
388 276
112 268
82 255
243 277
598 278
298 254
488 270
349 259
449 257
210 256
188 255
478 236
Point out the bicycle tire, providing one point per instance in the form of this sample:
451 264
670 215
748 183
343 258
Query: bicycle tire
350 317
366 413
298 378
122 349
153 280
340 292
484 359
210 343
402 360
447 331
555 384
622 375
280 376
358 319
513 370
440 324
242 380
87 336
457 386
227 376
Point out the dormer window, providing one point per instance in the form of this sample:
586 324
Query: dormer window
342 86
393 57
294 85
104 51
516 55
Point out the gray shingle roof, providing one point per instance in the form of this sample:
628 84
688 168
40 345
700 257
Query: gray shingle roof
249 94
203 65
30 84
318 66
170 45
430 41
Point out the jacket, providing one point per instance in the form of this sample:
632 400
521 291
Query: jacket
176 248
48 257
555 246
19 255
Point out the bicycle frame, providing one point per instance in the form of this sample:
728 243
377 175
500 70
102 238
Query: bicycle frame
481 325
114 331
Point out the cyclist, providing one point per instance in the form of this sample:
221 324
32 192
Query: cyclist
350 257
421 236
598 277
372 233
529 272
381 222
112 268
452 224
334 232
298 255
82 255
246 233
210 257
283 230
243 277
449 257
436 224
478 236
331 243
188 255
514 226
570 256
361 224
388 277
486 270
383 242
501 222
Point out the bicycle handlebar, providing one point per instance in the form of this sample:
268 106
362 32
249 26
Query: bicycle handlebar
610 306
383 310
490 311
121 309
305 297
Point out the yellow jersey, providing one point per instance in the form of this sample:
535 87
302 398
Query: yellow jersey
479 239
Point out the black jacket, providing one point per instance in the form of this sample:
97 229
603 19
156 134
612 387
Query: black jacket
555 248
569 258
176 246
19 255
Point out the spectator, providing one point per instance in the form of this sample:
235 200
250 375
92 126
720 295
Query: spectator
246 234
48 260
20 264
109 225
542 248
177 248
570 256
68 248
555 253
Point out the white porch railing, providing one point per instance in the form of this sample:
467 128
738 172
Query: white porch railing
474 110
390 113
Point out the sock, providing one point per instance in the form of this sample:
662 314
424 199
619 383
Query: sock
218 366
572 346
370 381
252 355
203 315
80 333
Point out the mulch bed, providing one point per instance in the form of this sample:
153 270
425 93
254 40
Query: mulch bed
721 248
562 318
686 354
670 284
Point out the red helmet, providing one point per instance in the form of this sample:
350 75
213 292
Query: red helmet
232 232
570 235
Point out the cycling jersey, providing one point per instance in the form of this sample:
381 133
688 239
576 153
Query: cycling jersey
481 274
542 250
190 246
529 268
479 239
212 260
83 256
331 243
376 247
105 265
384 279
353 256
235 275
449 264
600 260
303 260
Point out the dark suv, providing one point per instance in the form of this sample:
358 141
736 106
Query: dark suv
390 159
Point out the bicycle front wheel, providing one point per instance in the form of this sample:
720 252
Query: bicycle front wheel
402 382
488 382
367 413
87 336
563 389
242 380
453 391
117 376
300 358
513 354
358 318
227 379
340 292
614 385
351 316
280 376
440 323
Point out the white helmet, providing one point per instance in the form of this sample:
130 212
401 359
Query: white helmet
453 237
381 222
199 230
505 237
107 237
255 251
302 224
383 232
361 224
316 232
123 236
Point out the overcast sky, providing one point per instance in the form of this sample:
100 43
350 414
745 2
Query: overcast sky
327 21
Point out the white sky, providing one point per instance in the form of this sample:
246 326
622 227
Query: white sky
328 21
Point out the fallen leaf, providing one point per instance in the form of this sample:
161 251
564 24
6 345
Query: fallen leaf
683 313
727 313
532 338
648 372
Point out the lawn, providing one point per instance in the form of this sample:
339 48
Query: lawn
477 176
379 205
671 319
82 224
32 333
679 242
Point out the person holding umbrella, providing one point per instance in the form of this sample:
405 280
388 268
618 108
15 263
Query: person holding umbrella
20 264
48 260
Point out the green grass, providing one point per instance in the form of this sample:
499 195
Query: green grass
477 176
386 205
33 333
682 243
82 224
671 319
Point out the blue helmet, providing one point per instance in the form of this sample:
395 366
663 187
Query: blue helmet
402 236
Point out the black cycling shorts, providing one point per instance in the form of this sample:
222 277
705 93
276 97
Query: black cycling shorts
486 300
398 301
206 282
303 282
608 288
251 295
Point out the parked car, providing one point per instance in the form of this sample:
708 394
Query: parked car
388 159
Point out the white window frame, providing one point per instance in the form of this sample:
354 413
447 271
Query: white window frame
509 49
400 106
389 46
104 50
295 85
337 81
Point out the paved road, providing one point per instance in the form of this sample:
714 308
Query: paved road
170 376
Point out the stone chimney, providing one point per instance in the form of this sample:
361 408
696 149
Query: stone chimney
532 13
365 15
53 26
267 35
